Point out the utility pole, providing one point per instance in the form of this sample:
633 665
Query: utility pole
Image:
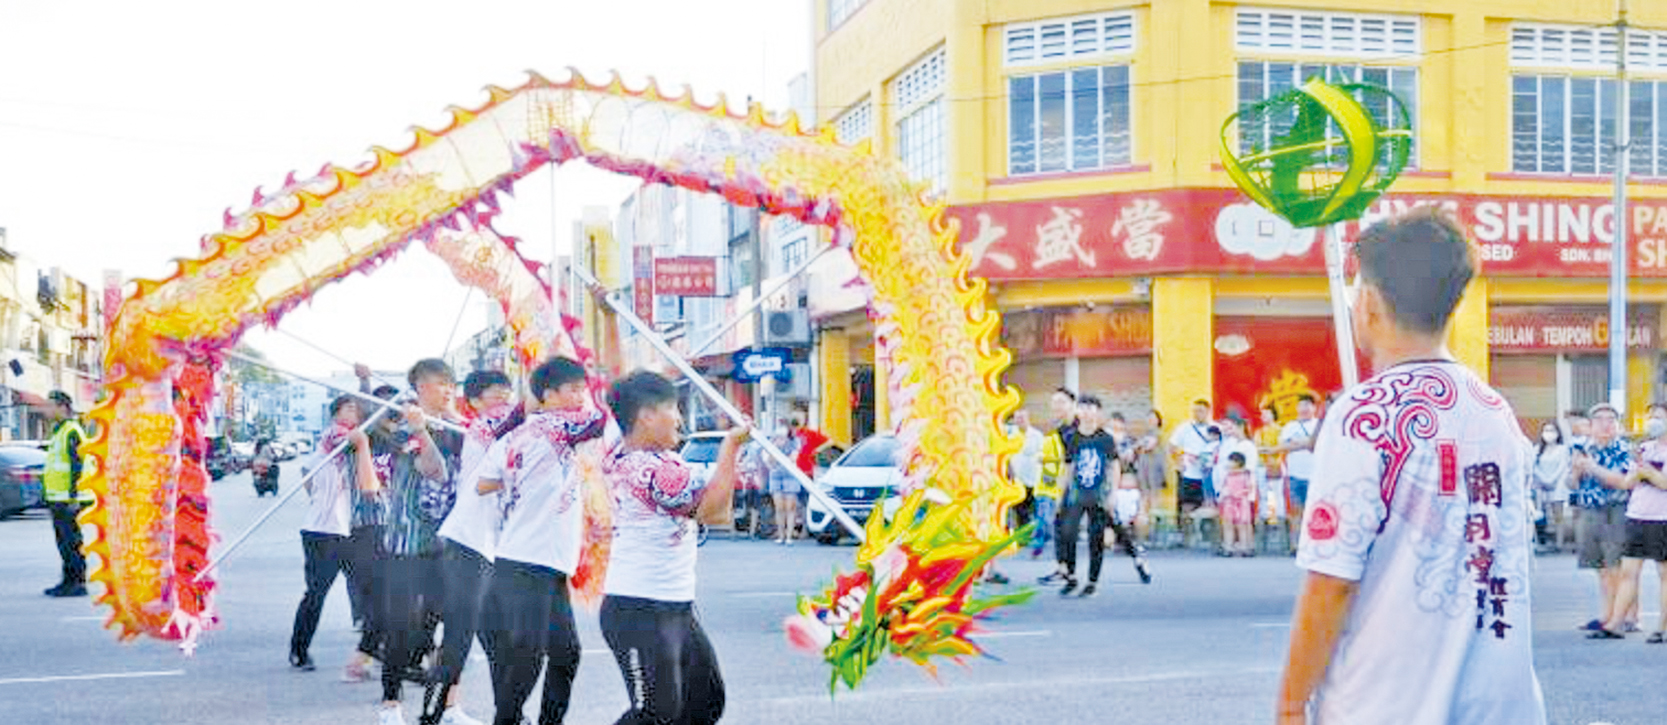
1617 262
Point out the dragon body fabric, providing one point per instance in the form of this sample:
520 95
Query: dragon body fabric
152 514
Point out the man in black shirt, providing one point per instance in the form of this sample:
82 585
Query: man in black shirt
1092 471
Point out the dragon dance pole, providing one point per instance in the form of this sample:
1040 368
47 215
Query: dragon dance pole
630 317
1341 320
273 509
373 400
745 313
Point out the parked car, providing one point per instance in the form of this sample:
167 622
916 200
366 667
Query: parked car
21 466
865 475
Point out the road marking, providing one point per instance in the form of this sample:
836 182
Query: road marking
761 595
603 651
1032 633
75 678
1052 685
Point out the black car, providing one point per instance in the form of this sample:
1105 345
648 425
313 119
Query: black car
222 461
21 467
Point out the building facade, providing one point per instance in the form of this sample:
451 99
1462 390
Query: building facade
51 332
1077 144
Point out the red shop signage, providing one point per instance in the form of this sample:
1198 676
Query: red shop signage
642 283
1098 332
1566 329
686 276
1219 230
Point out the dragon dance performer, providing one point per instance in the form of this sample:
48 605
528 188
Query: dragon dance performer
671 672
470 538
530 615
1416 606
415 501
325 533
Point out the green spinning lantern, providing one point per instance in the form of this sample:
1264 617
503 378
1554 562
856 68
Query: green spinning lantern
1317 155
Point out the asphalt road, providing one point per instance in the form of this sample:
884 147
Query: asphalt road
1202 644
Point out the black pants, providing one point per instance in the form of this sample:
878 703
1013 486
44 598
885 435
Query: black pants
326 556
68 534
671 672
410 612
1025 511
364 570
530 619
468 577
1098 521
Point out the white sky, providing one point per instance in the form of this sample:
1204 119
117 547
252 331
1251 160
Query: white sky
127 128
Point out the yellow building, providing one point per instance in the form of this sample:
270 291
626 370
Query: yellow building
1076 140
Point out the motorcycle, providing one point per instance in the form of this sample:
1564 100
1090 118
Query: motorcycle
265 472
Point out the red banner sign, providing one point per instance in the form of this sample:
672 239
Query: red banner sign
1098 332
1566 329
642 282
1219 230
686 276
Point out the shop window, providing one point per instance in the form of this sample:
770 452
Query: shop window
1073 120
841 10
1261 80
922 123
1566 125
1585 48
1083 36
1348 35
855 124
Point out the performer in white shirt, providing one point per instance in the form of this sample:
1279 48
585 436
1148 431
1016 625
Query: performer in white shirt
1415 609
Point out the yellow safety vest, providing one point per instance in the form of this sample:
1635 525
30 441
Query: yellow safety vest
1053 464
56 479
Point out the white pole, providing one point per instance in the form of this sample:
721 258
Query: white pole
746 312
373 400
273 509
1618 249
1341 320
654 340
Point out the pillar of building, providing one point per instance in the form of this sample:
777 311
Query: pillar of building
1183 358
1468 336
834 358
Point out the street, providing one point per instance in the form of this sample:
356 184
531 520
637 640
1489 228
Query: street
1202 644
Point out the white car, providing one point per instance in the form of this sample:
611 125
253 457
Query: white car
865 475
700 451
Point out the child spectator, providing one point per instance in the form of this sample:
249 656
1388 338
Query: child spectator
1238 491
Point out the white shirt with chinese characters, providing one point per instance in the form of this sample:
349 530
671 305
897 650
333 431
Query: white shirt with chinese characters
1419 483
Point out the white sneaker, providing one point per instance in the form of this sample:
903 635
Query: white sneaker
456 716
390 716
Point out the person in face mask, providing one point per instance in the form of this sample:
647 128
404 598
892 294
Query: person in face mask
1646 529
1551 487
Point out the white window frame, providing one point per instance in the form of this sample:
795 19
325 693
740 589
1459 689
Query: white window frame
1604 109
840 11
1327 34
1080 37
1070 136
915 91
1412 110
856 123
1547 46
